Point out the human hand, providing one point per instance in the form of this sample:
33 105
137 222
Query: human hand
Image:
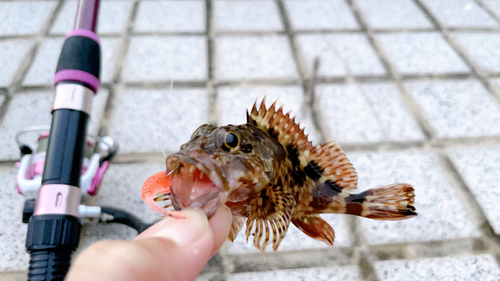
172 249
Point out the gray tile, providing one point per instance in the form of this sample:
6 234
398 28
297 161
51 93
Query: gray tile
434 192
13 231
144 120
44 65
172 16
396 121
494 6
113 17
345 273
247 16
473 267
339 54
233 101
482 49
254 57
295 240
421 53
390 14
19 17
34 107
12 53
162 58
314 14
457 108
477 166
459 13
121 188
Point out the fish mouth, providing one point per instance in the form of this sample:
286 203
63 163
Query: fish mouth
196 182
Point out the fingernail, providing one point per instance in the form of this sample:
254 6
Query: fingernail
185 231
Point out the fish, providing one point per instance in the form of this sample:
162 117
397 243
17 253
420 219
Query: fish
270 175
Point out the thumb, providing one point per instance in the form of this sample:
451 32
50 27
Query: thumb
172 249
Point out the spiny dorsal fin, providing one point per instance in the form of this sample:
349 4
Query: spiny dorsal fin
328 164
278 124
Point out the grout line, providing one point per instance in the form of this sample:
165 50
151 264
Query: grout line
486 8
210 85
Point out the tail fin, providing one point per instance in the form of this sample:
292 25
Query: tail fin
392 202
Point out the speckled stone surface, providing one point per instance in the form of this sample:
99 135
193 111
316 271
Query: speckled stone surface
339 54
254 57
25 17
247 16
307 15
478 165
13 231
295 240
482 48
441 215
388 14
410 53
460 13
144 119
320 274
385 117
12 53
113 17
234 101
470 267
170 16
493 5
40 104
43 68
457 108
161 58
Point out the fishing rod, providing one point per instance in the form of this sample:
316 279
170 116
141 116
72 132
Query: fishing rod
55 217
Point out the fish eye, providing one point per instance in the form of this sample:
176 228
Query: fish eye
231 140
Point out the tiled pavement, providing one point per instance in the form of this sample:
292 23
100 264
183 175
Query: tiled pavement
410 89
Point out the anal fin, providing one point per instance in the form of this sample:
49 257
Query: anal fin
315 227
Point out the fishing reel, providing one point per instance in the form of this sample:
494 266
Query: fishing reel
98 152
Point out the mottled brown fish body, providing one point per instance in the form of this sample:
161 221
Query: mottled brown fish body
269 174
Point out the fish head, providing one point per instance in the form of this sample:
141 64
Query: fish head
217 163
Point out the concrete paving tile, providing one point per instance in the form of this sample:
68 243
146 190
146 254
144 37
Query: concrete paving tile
232 103
44 65
473 267
183 16
143 120
493 5
182 58
113 16
254 57
295 240
346 115
457 108
477 166
396 121
121 188
460 13
421 53
340 54
20 17
389 14
12 53
13 231
349 272
314 14
441 214
482 48
247 16
32 108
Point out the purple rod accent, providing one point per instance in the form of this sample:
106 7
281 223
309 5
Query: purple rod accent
77 75
87 15
84 33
